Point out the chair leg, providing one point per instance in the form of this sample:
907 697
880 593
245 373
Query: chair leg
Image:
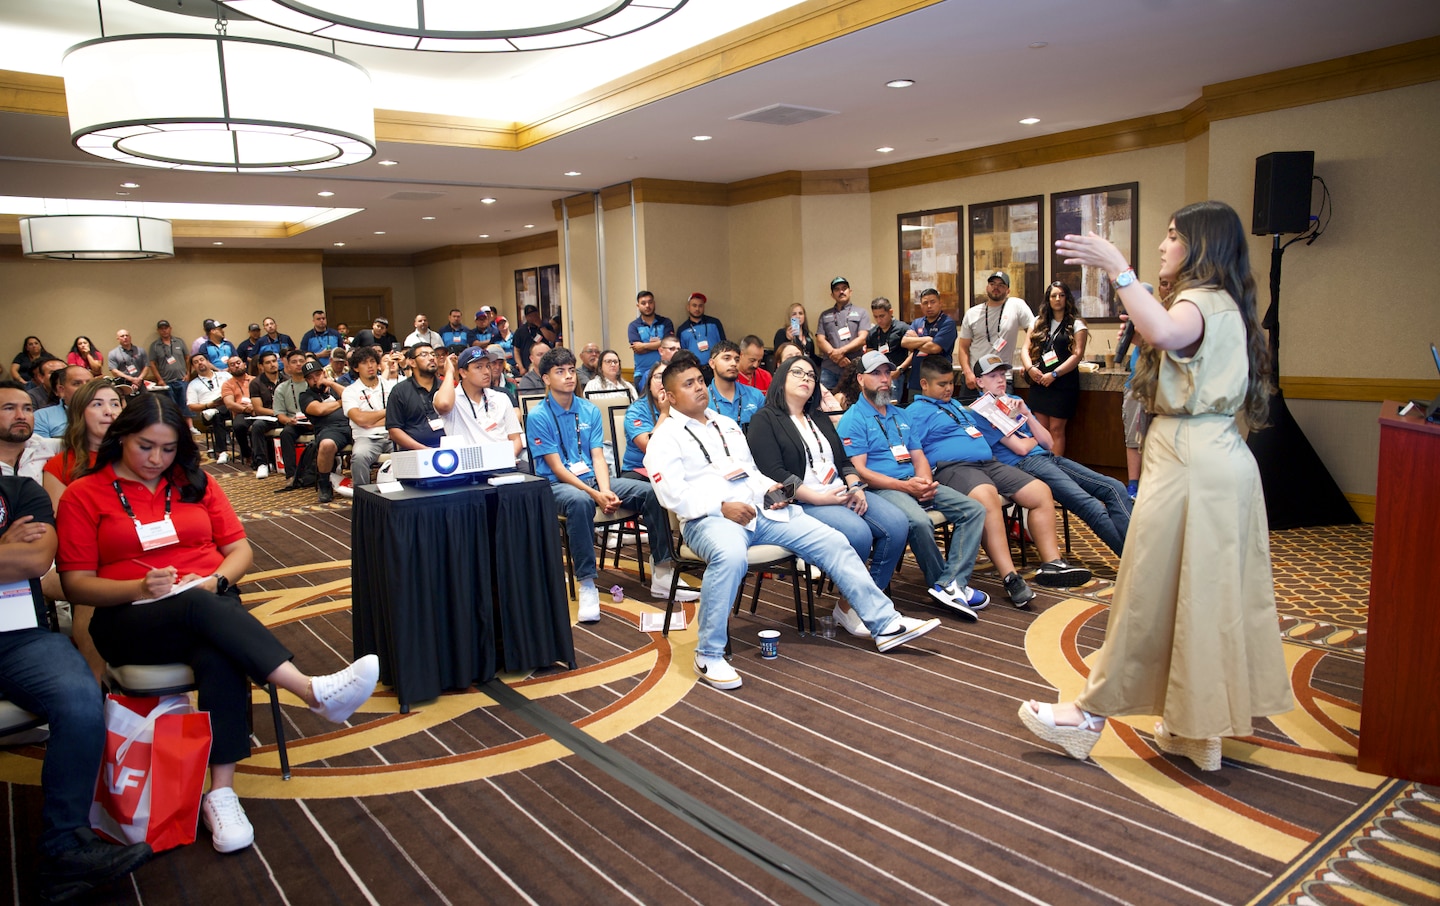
279 731
810 598
755 598
1065 521
569 561
795 592
670 602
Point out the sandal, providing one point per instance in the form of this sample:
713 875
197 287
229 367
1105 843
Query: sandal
1076 741
1204 752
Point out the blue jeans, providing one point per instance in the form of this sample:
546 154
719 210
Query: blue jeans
579 509
43 673
722 545
829 379
177 393
878 537
965 515
1100 501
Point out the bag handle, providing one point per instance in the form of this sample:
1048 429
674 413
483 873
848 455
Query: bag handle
175 703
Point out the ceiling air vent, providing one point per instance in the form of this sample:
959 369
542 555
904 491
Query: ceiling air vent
783 115
415 196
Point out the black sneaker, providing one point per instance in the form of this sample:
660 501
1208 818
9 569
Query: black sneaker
327 491
89 865
1020 593
1059 574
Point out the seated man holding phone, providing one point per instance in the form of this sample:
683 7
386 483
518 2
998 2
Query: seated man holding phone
702 470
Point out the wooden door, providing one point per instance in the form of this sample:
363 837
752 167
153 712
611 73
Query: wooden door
357 307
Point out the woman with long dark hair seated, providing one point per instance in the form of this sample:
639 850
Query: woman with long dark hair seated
789 441
147 520
84 354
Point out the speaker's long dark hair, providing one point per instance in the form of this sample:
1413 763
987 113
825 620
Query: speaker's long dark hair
148 409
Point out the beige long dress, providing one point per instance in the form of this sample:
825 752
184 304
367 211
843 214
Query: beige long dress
1192 634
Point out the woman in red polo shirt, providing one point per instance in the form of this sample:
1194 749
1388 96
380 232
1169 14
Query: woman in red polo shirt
147 521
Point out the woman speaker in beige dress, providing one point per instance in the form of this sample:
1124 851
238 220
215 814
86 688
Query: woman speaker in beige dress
1192 634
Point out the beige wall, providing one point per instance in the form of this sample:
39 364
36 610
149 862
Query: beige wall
399 280
56 300
766 254
835 237
685 249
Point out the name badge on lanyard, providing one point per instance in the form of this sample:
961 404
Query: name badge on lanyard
579 468
152 535
1050 358
703 345
436 424
900 452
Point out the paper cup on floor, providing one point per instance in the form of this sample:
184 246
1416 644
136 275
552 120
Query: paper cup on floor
769 643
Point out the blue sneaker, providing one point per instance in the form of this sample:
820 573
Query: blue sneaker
954 600
973 598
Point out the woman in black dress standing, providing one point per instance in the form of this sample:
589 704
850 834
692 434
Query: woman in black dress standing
1052 362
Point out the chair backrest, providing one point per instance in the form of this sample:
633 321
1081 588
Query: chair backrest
615 434
529 401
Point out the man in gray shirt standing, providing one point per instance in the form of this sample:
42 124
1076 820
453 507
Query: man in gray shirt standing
167 362
841 333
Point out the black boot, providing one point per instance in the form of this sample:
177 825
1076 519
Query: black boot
92 863
327 493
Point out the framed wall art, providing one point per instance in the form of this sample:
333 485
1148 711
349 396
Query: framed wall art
1006 236
1109 211
929 246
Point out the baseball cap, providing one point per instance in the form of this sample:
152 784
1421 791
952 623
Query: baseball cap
211 324
310 368
700 296
837 281
161 323
872 360
988 363
385 321
254 326
484 310
493 354
471 354
1001 275
530 308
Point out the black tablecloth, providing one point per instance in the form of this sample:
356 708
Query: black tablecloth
432 570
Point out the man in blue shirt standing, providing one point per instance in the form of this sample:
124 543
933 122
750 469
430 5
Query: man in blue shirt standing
700 333
932 334
729 397
455 334
319 340
646 332
272 340
876 434
566 437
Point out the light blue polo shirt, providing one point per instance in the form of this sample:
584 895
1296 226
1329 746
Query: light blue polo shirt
51 421
747 402
639 419
940 430
865 432
573 433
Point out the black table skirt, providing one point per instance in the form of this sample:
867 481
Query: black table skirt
433 570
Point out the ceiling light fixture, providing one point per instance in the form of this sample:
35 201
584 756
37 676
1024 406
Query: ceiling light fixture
217 243
96 237
484 235
572 172
700 138
325 194
885 150
447 25
427 218
899 83
487 201
388 163
129 185
338 244
217 103
1036 45
529 226
1030 121
379 232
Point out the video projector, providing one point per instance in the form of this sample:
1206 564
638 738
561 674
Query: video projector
451 465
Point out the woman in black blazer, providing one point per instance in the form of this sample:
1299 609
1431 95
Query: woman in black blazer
787 441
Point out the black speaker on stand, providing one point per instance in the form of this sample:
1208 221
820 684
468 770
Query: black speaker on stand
1299 491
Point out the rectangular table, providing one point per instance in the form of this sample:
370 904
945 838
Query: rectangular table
433 571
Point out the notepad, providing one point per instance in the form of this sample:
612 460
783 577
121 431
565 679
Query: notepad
655 622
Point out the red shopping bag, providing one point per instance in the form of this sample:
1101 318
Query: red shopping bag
156 754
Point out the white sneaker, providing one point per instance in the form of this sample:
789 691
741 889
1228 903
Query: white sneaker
851 622
629 537
589 597
660 577
196 431
225 818
341 694
953 599
221 459
717 672
902 630
262 473
210 413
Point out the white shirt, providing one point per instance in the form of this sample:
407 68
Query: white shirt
368 399
478 421
985 325
429 336
688 468
33 457
203 390
598 384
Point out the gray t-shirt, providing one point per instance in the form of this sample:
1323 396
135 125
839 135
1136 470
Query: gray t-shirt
840 328
169 359
986 325
130 363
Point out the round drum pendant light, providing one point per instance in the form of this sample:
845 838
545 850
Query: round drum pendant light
464 26
217 103
96 237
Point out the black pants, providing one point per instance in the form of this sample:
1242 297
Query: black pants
219 423
260 444
220 640
241 426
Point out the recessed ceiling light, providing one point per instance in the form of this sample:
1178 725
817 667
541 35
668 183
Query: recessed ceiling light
1036 45
700 138
885 150
1030 121
379 232
387 163
337 244
217 243
529 226
122 193
427 218
325 194
129 185
484 235
899 83
572 172
487 201
932 139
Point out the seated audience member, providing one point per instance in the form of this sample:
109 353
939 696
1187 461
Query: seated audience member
483 333
608 379
797 332
876 434
202 395
250 346
216 348
43 673
505 339
148 466
273 340
21 452
32 353
377 334
500 379
262 412
531 381
669 345
454 335
486 415
235 395
169 362
42 386
703 471
699 332
589 368
363 402
949 436
733 400
847 389
127 362
290 416
886 337
752 353
84 354
566 441
339 368
789 443
321 402
641 420
320 338
1100 501
410 416
52 420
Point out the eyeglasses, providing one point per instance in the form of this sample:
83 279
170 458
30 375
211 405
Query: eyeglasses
803 374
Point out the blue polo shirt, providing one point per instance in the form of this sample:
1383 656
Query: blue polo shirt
452 337
747 402
995 439
573 433
640 332
51 421
639 419
319 343
864 431
942 333
218 353
482 335
709 332
278 345
943 432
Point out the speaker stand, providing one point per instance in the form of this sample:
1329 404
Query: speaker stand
1299 491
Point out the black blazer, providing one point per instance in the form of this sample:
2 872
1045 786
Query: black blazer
778 450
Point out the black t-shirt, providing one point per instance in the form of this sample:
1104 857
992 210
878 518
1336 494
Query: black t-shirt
331 420
367 337
890 339
261 388
410 408
25 497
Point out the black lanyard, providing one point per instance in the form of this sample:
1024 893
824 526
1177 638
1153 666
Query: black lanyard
999 322
485 401
555 412
818 443
365 395
721 401
706 453
880 420
953 417
126 503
